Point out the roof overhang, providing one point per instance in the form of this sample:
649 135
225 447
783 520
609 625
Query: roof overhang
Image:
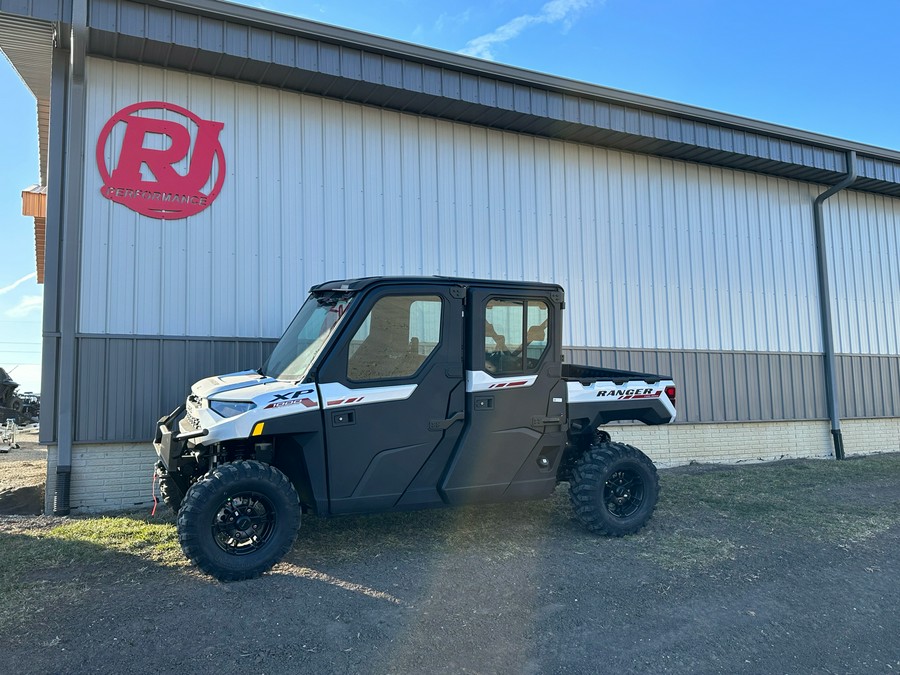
28 44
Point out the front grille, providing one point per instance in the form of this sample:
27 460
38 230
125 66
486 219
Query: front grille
193 402
193 422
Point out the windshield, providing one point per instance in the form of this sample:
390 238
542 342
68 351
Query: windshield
306 336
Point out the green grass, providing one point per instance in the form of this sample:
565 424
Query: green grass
66 560
135 535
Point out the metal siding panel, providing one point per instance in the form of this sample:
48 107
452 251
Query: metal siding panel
284 50
750 363
351 63
131 19
861 233
147 406
271 271
432 80
727 256
159 24
691 397
329 58
90 383
102 15
372 68
845 382
259 45
876 392
237 40
120 388
717 387
212 35
126 384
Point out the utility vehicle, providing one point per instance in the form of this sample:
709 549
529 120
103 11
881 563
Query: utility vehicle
392 393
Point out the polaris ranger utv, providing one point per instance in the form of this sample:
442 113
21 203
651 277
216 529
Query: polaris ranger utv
399 393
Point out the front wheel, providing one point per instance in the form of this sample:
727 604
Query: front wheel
614 489
239 520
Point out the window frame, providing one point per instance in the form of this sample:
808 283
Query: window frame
365 310
526 300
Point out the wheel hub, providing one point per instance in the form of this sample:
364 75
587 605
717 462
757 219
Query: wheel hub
244 523
624 493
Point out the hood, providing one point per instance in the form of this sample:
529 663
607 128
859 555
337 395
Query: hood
232 382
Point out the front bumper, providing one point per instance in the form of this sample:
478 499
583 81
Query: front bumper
170 442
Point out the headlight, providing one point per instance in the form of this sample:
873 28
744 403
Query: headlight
230 408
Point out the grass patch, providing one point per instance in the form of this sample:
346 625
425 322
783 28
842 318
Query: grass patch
63 562
845 501
683 552
134 535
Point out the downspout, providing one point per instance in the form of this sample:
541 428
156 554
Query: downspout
70 230
825 304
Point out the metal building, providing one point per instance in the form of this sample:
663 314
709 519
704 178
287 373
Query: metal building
205 163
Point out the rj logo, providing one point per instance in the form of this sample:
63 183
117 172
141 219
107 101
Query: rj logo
178 179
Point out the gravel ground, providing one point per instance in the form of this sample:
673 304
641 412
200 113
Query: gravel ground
23 473
715 584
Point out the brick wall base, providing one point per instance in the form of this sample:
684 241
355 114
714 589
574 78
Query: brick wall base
109 477
737 443
105 477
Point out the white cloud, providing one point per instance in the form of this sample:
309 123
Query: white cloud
27 305
552 12
17 282
446 20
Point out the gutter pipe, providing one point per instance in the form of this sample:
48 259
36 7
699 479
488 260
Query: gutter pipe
70 235
825 304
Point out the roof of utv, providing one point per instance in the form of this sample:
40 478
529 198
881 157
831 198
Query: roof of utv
366 282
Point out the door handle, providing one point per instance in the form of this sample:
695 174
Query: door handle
541 421
440 425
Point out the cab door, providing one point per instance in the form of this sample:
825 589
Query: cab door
387 391
515 399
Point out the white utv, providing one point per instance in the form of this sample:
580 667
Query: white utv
393 393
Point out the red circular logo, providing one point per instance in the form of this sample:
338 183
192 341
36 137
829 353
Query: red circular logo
161 160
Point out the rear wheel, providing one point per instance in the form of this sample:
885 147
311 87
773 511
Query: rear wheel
239 520
614 489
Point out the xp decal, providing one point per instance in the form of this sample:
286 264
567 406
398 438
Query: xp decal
301 396
178 178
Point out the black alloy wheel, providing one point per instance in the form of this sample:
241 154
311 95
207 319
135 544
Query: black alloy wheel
623 493
613 489
239 520
244 523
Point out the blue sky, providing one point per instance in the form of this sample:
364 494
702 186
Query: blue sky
824 66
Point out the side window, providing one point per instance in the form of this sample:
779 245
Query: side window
395 338
515 335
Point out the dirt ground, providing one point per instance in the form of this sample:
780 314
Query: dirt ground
23 473
789 568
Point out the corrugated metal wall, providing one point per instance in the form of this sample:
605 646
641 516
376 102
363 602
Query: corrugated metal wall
864 254
707 274
654 253
124 384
